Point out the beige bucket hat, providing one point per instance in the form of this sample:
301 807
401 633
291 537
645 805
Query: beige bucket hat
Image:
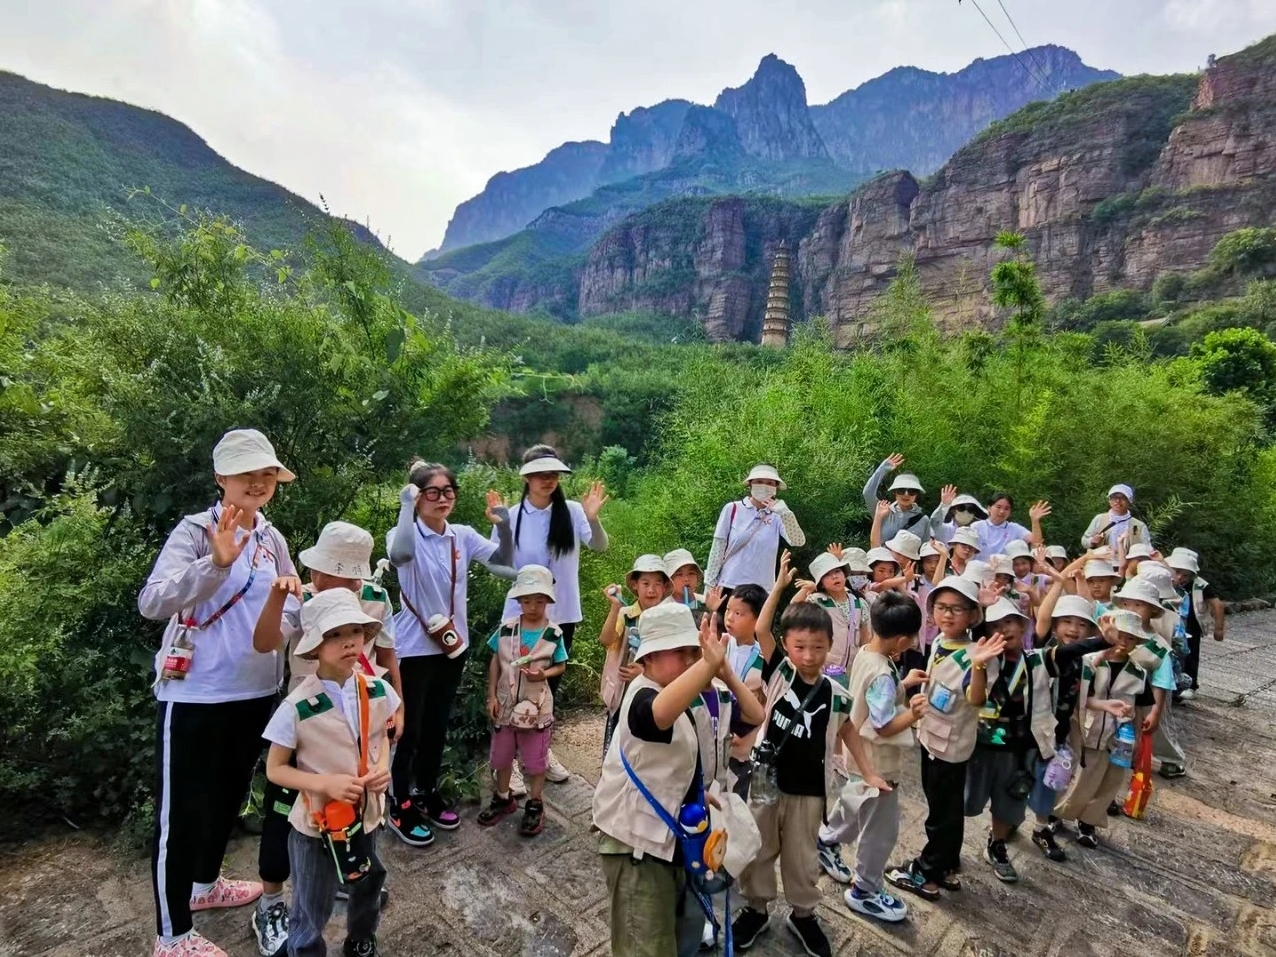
343 550
906 544
664 628
533 580
680 558
1074 606
965 536
1140 589
824 563
240 451
766 473
328 610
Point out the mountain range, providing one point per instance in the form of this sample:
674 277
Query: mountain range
907 118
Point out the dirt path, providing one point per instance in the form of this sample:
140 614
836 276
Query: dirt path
1196 878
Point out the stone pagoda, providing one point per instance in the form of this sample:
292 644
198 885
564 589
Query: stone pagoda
775 323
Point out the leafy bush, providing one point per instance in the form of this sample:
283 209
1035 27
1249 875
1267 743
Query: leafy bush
1245 252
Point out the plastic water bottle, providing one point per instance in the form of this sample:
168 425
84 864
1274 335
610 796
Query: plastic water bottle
1123 745
1059 771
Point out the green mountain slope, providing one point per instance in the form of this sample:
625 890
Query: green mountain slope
67 160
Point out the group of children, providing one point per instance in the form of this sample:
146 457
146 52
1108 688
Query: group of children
1023 679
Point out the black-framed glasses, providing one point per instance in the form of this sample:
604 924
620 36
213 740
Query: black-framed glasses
436 492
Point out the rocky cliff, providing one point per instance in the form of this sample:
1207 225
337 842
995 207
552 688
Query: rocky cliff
771 115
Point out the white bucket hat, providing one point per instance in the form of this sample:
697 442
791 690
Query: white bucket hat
646 565
965 536
963 586
1140 589
1018 549
1185 560
1160 577
546 463
1003 608
1097 569
1129 622
906 482
877 555
680 558
1122 489
1002 565
664 628
1074 606
825 563
1056 551
343 550
328 610
246 450
906 544
1139 550
965 501
533 580
928 551
766 472
857 561
980 573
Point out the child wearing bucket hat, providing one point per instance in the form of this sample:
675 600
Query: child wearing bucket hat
648 581
747 537
1114 691
1169 676
655 758
1100 580
903 514
685 578
1196 597
526 652
827 588
328 741
794 770
960 672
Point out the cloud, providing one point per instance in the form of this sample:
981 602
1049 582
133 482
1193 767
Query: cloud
397 110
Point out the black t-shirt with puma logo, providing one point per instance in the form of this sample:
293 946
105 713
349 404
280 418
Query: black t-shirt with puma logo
799 768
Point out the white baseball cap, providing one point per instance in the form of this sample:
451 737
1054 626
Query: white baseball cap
824 563
765 472
680 558
546 463
328 610
906 544
664 628
240 451
343 550
533 580
965 536
906 482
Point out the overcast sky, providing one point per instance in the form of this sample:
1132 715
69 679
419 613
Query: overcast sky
396 110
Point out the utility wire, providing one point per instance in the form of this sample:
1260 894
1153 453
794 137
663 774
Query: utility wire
1027 69
1026 49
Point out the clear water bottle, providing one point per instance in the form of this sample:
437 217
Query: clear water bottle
1123 745
764 789
1058 773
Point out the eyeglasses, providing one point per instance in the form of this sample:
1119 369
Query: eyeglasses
943 609
436 492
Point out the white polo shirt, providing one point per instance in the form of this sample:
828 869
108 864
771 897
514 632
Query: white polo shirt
753 543
531 547
993 539
427 583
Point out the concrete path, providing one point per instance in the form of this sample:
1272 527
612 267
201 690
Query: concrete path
1196 878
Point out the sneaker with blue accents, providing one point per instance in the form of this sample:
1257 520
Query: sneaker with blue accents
831 861
880 905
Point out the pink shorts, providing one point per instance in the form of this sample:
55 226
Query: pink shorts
532 747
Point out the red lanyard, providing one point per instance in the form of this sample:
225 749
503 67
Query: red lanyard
235 599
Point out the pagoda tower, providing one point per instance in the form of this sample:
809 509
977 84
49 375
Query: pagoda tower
775 323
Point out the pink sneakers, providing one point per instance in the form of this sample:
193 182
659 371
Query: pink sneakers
193 944
226 893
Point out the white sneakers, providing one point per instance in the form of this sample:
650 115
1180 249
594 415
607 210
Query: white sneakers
554 771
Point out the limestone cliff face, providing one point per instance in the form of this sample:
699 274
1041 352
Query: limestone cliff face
771 115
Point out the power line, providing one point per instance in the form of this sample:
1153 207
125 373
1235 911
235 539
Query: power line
1036 79
1026 49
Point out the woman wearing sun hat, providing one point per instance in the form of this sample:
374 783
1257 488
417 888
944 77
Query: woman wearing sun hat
1117 526
905 514
215 692
746 541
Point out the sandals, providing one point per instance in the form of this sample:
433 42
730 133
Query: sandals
533 819
912 880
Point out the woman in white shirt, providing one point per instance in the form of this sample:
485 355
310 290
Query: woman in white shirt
215 692
549 530
432 637
997 530
746 541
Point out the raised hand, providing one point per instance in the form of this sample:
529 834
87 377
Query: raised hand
288 584
986 649
895 460
883 509
939 546
498 512
222 539
713 646
1039 511
713 600
988 594
947 495
408 495
594 500
1108 629
909 572
612 594
835 549
785 578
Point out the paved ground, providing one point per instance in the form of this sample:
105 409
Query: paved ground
1196 878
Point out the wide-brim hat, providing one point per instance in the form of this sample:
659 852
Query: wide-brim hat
533 580
965 501
1074 606
968 590
1004 608
928 551
1002 565
646 565
328 610
906 544
240 451
680 558
877 555
979 572
767 473
665 628
1056 551
825 563
546 463
906 482
343 550
1018 549
1139 550
857 561
965 536
1129 623
1160 577
1122 489
1098 569
1184 560
1140 589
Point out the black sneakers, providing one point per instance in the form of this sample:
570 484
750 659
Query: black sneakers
408 825
749 923
1044 839
360 948
809 933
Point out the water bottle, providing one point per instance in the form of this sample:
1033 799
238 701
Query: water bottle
763 787
1123 745
1059 771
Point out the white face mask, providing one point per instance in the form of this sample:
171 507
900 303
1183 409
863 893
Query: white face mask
762 493
858 582
963 516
